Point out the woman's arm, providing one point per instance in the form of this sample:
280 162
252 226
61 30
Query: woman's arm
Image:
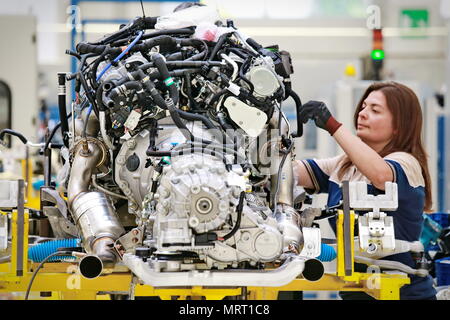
302 175
367 160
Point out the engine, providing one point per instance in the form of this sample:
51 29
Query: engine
179 157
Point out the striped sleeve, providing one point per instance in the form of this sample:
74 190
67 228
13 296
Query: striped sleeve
320 171
405 163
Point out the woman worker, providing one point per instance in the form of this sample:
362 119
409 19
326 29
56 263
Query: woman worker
387 147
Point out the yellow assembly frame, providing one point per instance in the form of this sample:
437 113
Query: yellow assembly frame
62 280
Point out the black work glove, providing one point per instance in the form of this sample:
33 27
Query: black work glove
318 111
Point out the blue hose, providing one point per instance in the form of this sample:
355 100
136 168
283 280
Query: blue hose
40 251
121 55
327 253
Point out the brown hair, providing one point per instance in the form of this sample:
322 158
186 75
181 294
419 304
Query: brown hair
407 121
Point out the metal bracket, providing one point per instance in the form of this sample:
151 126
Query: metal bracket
376 228
57 216
361 200
312 242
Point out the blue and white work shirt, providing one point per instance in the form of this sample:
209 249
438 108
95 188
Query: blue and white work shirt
408 216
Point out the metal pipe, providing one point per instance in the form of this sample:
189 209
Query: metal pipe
92 126
289 221
47 165
110 193
290 270
314 270
90 266
286 185
233 64
62 107
92 211
89 154
103 130
392 265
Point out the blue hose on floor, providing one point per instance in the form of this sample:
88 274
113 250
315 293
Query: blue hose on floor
40 251
327 253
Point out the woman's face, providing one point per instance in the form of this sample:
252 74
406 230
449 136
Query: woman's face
374 125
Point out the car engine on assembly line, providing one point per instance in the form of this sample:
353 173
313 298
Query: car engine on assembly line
179 158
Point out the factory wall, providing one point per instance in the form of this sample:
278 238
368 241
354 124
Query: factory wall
321 46
319 57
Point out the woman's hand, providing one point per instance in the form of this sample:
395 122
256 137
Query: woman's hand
366 159
318 111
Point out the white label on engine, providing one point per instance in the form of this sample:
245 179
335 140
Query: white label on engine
250 119
133 120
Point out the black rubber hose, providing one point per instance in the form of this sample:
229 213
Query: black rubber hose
74 54
123 32
177 120
174 56
176 117
180 72
255 45
192 64
238 52
217 96
221 118
244 94
196 43
62 107
88 93
188 86
79 75
98 98
27 293
183 64
53 132
242 49
197 117
149 22
84 47
241 75
130 85
223 121
237 224
158 41
162 68
218 46
298 106
150 87
13 133
198 56
138 24
93 72
202 54
152 153
185 31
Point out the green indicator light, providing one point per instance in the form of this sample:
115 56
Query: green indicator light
377 54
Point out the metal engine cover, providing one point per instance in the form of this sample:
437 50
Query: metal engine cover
193 193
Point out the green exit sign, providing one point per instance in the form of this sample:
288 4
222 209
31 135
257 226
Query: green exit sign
414 22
